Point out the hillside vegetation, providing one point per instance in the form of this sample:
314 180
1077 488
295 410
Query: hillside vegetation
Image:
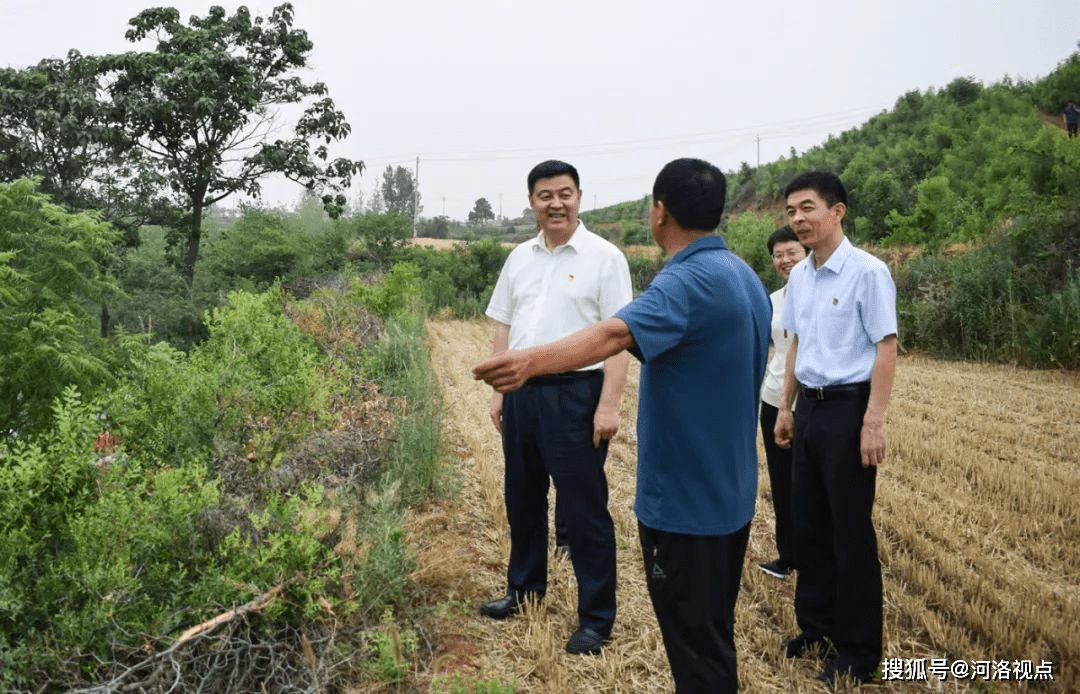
971 192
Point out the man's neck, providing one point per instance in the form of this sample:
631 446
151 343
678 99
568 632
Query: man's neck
555 239
824 251
681 239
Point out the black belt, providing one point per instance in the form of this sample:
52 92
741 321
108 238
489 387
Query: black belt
847 390
564 377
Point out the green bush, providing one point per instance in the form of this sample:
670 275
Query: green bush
635 233
52 269
103 552
747 236
258 247
255 365
92 550
459 280
399 292
157 300
643 268
1054 336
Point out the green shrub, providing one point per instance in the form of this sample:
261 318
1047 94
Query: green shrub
643 268
1054 336
747 236
255 365
165 406
258 247
52 269
157 300
92 550
635 233
398 293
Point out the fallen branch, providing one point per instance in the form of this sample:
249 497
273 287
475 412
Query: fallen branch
259 602
254 605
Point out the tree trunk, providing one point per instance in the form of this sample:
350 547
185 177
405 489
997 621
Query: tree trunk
194 239
105 321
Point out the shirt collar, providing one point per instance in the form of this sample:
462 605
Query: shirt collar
836 261
575 242
710 241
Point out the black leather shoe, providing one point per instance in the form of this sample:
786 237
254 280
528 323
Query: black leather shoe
585 641
837 670
803 646
501 608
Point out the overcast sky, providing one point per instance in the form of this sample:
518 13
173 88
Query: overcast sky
481 90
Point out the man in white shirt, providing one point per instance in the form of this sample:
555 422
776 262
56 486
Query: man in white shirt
558 426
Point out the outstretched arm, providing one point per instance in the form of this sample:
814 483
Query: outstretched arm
509 370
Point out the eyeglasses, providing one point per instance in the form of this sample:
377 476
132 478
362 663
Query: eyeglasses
797 255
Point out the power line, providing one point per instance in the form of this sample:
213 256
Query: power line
787 128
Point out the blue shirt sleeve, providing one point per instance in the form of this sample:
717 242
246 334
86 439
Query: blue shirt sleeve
878 311
658 318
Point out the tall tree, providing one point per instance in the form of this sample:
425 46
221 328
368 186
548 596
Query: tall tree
202 108
399 192
481 211
54 126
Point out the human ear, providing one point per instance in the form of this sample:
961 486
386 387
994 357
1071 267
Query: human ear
839 209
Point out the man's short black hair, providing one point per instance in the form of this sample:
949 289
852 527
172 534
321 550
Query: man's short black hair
782 235
824 183
550 169
693 191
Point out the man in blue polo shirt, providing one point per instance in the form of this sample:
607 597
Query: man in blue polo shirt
701 330
841 308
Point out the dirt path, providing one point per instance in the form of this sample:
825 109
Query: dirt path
966 575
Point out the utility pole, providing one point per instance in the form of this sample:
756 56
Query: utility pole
500 205
416 196
759 150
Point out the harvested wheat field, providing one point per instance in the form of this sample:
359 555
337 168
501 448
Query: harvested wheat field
978 517
444 244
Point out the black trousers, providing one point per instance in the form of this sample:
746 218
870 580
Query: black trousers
839 589
548 433
693 584
778 461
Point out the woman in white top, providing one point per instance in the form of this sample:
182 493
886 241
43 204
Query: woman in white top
786 251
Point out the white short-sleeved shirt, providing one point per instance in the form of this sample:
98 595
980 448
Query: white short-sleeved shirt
545 295
772 388
840 311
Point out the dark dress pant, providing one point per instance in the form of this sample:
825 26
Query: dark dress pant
693 583
778 461
548 434
839 588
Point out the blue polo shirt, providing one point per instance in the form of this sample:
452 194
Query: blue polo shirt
701 331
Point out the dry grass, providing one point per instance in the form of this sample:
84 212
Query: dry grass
978 516
445 244
652 251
